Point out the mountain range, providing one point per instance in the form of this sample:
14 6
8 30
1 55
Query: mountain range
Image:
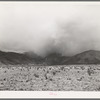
86 57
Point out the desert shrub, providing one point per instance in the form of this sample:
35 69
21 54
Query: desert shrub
98 89
62 68
21 89
80 79
54 73
51 79
90 71
45 76
78 71
47 71
36 75
82 67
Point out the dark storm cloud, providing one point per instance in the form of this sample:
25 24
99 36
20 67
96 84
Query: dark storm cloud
68 28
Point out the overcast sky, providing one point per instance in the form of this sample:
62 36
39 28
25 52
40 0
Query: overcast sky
45 27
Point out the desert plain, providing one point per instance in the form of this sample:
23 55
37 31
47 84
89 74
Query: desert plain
50 78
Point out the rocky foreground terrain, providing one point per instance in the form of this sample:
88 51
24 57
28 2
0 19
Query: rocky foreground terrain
50 78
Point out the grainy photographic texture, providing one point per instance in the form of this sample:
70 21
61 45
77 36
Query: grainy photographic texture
49 46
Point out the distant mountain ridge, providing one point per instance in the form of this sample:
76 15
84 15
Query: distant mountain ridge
38 59
86 57
14 58
55 59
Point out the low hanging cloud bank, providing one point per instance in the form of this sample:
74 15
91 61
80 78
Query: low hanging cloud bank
49 27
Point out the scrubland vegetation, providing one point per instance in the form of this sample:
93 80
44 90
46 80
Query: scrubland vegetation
50 78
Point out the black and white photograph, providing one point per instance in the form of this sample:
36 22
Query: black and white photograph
49 46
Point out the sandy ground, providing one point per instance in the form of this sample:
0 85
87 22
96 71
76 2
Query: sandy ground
50 78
